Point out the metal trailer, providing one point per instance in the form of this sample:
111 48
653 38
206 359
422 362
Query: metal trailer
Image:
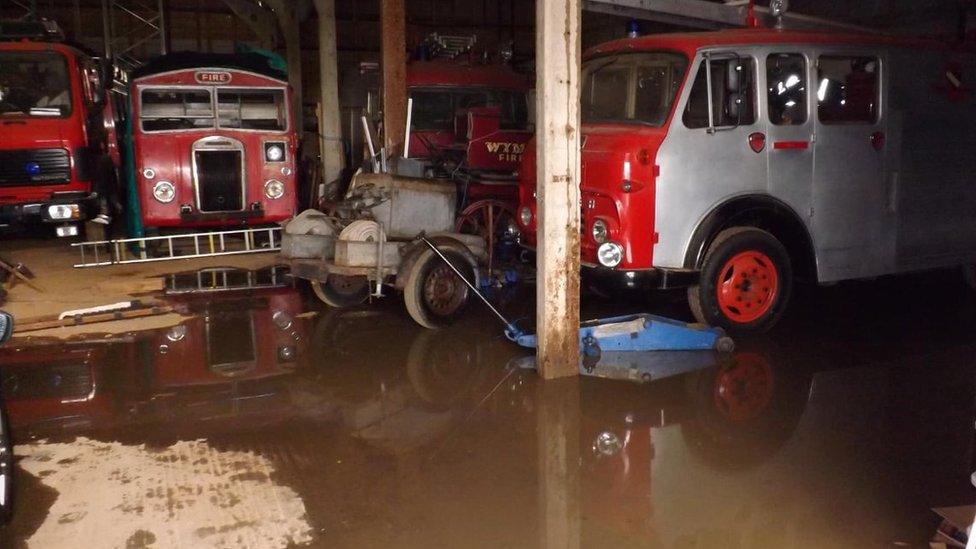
369 240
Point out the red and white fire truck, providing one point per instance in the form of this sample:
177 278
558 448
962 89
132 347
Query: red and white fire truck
56 131
214 141
731 161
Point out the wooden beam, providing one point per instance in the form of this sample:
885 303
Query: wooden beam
330 129
558 177
393 31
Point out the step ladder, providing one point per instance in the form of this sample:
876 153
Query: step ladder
147 249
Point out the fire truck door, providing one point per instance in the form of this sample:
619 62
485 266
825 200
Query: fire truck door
849 196
789 130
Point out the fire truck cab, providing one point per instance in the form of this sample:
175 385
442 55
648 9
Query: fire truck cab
214 141
53 141
731 161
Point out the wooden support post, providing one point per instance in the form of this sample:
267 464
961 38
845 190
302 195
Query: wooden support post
557 175
393 30
330 119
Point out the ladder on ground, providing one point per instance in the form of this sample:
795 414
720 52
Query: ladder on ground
147 249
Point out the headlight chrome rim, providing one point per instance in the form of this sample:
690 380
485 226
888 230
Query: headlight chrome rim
525 216
274 189
164 192
610 254
600 231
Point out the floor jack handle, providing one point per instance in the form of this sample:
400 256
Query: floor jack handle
511 330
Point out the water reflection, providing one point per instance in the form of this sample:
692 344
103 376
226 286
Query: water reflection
395 435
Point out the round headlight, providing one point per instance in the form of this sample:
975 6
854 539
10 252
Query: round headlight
149 173
164 191
525 216
176 333
600 233
274 189
610 254
274 153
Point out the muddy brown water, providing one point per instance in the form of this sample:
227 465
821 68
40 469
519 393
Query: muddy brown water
253 424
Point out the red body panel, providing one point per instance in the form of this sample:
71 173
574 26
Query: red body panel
169 155
34 132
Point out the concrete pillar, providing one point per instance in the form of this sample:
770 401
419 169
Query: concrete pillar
393 31
558 179
331 119
558 466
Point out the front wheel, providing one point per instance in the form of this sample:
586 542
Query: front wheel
745 282
434 295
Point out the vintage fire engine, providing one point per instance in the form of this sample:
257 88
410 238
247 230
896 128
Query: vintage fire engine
214 141
470 122
57 145
731 161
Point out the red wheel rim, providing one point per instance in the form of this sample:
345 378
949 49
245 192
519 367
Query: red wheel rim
747 286
743 389
488 219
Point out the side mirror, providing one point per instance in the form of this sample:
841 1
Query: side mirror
6 326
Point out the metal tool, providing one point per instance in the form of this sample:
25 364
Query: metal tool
603 339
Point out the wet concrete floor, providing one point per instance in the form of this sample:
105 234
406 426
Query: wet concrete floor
256 424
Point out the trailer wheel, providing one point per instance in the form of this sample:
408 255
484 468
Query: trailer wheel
341 291
433 293
745 282
6 468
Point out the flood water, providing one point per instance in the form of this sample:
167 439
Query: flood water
269 421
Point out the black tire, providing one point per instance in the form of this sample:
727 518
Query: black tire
969 274
342 291
433 294
730 249
6 468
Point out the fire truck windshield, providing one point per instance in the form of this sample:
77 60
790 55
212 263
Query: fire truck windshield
631 87
435 108
34 84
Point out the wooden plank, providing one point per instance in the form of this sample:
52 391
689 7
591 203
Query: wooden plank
33 325
558 178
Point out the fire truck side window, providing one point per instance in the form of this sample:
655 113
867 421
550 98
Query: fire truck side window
786 82
733 94
435 109
252 109
176 109
847 89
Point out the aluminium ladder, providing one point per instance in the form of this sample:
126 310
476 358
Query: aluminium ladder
178 246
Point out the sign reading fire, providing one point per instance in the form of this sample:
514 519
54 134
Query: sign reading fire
506 151
212 77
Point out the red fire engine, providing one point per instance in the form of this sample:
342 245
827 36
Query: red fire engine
214 141
729 161
55 129
470 121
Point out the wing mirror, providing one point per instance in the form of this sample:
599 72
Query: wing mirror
6 326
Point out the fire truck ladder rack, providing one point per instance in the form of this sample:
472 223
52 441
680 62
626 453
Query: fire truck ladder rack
178 246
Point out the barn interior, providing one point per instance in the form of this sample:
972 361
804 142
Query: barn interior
211 386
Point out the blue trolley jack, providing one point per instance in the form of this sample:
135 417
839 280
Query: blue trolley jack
601 338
